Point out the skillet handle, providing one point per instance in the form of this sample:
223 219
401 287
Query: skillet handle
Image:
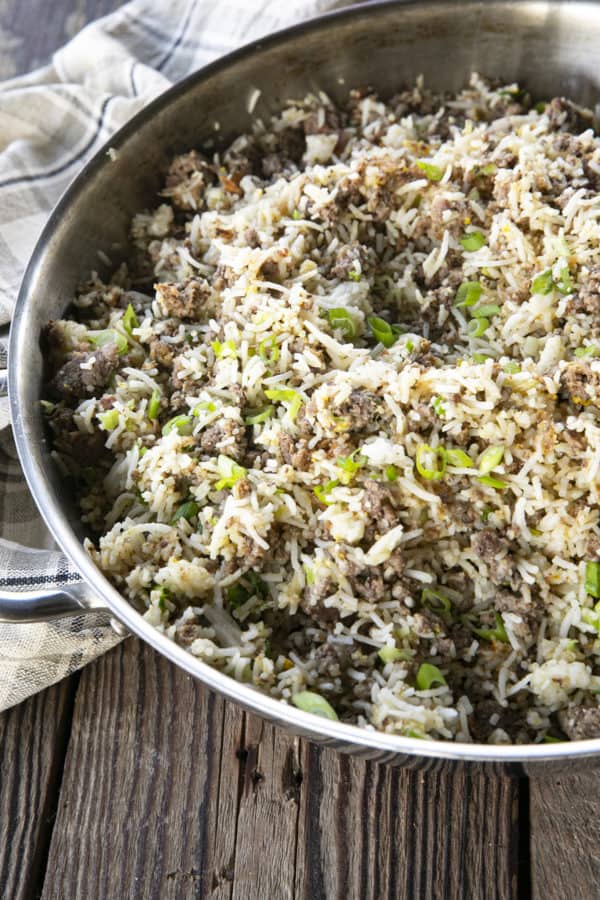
21 607
68 600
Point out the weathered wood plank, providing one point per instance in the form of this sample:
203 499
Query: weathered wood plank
169 792
369 831
565 837
25 45
33 739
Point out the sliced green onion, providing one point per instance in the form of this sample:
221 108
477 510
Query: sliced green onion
309 575
481 357
110 419
564 282
181 424
163 596
540 107
489 481
542 283
487 309
341 319
286 395
353 275
488 169
390 654
268 350
187 510
550 739
47 407
459 458
438 407
154 405
313 703
130 320
428 676
590 350
296 214
477 327
383 332
350 466
109 336
592 617
436 601
473 241
439 457
229 471
431 172
236 595
468 294
391 473
226 348
490 458
512 368
321 491
205 406
493 634
592 579
259 587
256 417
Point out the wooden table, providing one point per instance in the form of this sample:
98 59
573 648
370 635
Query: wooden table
132 781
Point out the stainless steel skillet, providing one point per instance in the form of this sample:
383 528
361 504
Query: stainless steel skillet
551 47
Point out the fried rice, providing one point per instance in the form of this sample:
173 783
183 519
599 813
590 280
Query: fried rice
334 426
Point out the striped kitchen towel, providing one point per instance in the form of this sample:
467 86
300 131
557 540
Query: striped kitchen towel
51 122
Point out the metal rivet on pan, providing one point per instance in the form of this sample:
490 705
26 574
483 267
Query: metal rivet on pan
119 628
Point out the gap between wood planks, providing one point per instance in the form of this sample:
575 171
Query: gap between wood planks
169 792
162 790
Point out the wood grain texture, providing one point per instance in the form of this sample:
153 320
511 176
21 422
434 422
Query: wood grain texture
33 738
169 792
565 838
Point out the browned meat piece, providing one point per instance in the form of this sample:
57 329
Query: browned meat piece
72 382
530 612
345 258
187 179
447 215
580 384
58 345
287 153
564 115
395 565
508 720
580 723
218 439
377 503
368 583
364 411
495 552
312 601
162 353
331 660
592 551
331 122
185 300
427 625
508 106
295 452
188 633
587 298
83 447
